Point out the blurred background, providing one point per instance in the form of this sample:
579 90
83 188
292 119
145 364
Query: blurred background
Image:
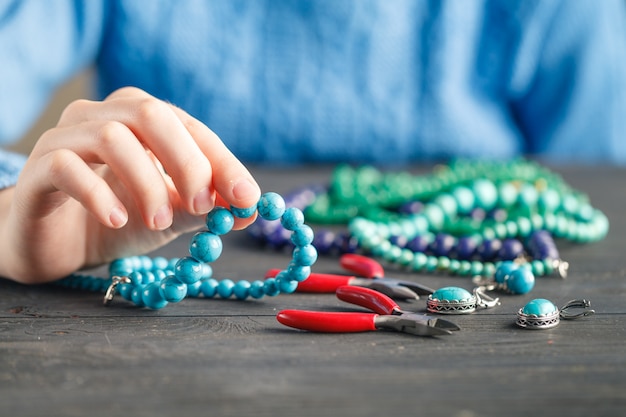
79 87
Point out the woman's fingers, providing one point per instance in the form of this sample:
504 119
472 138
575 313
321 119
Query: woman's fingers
157 126
114 145
232 181
198 162
63 170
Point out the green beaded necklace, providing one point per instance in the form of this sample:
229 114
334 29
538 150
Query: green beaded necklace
533 198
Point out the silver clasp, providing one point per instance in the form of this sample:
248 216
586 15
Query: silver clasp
482 299
115 281
584 304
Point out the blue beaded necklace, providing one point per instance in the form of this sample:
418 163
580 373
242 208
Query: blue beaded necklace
153 283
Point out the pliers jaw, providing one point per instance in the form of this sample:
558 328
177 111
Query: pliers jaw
416 324
367 267
384 286
396 289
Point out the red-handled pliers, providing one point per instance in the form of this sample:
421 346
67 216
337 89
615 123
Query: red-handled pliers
370 275
387 316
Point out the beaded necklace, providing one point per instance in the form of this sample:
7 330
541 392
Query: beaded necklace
153 283
464 218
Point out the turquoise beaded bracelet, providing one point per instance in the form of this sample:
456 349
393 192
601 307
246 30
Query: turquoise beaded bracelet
154 283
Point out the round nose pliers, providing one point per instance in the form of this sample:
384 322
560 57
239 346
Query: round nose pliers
387 316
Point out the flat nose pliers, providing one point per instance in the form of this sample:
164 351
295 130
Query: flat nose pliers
387 316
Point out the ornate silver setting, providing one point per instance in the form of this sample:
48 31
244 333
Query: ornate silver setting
465 306
533 321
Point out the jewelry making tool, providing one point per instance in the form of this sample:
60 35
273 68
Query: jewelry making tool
387 316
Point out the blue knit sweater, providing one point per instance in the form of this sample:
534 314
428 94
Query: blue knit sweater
382 81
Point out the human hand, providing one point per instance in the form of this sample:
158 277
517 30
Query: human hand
95 186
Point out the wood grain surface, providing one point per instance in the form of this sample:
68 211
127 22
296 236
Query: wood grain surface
63 354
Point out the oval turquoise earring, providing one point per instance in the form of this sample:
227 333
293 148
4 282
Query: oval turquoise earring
542 314
455 300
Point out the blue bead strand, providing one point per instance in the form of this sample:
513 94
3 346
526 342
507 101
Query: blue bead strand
155 282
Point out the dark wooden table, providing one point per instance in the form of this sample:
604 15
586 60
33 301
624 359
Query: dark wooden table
63 354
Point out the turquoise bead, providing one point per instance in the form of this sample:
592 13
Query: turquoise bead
571 204
448 204
172 289
220 221
271 287
145 262
503 271
208 287
243 213
477 268
434 215
539 307
528 196
257 289
302 235
451 294
159 274
304 255
188 270
489 269
172 263
125 290
241 290
419 261
393 253
524 226
507 194
465 268
147 277
455 265
207 271
151 296
206 246
298 272
486 193
285 285
135 277
292 219
160 263
121 267
193 290
136 296
443 263
271 206
225 288
549 200
520 281
464 199
538 268
431 263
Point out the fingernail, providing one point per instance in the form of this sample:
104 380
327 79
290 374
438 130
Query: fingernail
163 217
244 189
203 201
118 217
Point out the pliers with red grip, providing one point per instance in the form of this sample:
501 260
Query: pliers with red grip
370 275
387 316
